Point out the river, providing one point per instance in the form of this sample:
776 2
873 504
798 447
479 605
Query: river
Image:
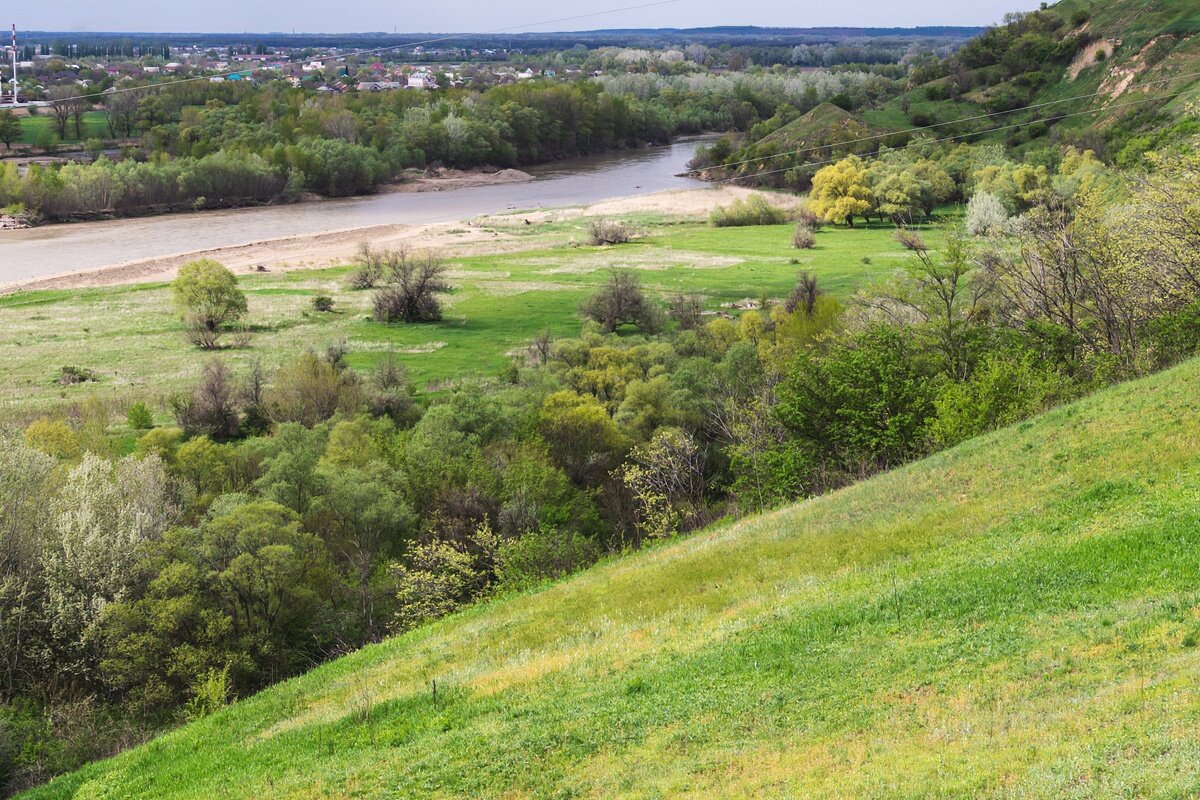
54 249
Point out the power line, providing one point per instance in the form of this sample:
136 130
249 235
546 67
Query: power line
375 50
876 137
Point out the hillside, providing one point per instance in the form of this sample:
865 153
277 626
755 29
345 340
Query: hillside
1017 617
1119 56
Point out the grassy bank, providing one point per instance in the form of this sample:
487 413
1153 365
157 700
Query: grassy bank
131 335
1017 617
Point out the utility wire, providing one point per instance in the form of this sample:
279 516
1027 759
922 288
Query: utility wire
875 137
372 51
922 142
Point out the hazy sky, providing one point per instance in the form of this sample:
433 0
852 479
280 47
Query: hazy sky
488 15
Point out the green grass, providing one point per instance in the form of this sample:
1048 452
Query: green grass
1015 618
132 338
95 125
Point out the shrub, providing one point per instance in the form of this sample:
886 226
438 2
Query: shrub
687 310
804 238
369 270
70 376
805 295
986 215
211 409
210 693
310 390
412 289
139 417
604 232
322 303
621 301
806 216
753 210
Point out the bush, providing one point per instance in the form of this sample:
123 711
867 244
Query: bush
369 270
806 216
686 310
139 417
412 289
804 238
70 376
322 303
621 301
986 215
604 232
310 390
211 409
753 210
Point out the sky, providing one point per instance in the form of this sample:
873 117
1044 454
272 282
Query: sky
479 16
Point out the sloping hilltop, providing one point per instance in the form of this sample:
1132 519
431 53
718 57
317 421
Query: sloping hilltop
1017 617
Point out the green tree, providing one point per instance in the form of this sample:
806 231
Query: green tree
842 191
208 298
10 128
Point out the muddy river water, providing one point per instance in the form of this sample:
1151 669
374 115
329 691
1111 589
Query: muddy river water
57 249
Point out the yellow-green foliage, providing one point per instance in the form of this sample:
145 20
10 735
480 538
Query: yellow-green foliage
842 191
1017 617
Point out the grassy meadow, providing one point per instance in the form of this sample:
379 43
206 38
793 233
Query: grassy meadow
132 337
95 126
1014 618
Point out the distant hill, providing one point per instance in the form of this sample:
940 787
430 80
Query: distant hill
1135 64
618 37
1017 617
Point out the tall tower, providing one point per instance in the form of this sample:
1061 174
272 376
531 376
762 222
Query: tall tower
14 65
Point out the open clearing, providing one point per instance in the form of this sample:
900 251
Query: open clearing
534 281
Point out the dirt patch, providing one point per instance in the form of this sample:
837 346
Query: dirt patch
1120 78
445 180
584 264
1091 55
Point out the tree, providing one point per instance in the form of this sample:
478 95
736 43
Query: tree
582 437
211 409
621 301
666 476
64 101
986 215
900 196
208 298
842 191
10 128
310 390
412 289
863 405
120 111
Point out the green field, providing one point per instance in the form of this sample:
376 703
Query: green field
132 336
95 126
1014 618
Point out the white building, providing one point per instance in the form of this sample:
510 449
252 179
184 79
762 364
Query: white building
422 80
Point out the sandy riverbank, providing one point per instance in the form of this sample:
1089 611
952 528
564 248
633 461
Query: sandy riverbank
488 234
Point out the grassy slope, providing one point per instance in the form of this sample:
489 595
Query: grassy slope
1014 618
1135 23
133 338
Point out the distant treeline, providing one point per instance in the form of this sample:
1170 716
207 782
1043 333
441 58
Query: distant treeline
220 145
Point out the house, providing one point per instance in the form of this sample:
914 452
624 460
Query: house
525 74
422 80
378 86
